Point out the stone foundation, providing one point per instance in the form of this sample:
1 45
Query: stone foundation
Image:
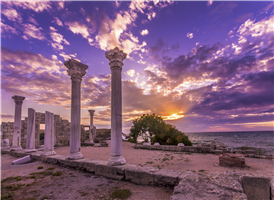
232 160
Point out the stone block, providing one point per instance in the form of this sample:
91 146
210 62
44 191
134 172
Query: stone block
136 146
232 160
89 165
256 188
157 143
249 152
152 147
54 159
114 172
143 147
165 148
140 175
173 148
166 177
218 152
35 156
181 145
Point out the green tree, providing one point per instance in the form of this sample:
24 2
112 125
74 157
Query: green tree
155 128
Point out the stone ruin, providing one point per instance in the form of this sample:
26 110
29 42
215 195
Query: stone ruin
61 129
61 132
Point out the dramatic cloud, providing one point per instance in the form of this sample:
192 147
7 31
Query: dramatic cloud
144 32
189 35
32 31
12 15
57 21
57 38
7 29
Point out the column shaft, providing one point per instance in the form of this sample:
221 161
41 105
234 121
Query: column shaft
49 134
16 139
30 146
91 131
116 113
75 124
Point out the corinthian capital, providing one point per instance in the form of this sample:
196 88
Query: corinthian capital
91 112
116 57
76 70
18 99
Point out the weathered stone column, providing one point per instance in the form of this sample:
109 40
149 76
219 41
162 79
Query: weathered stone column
91 132
76 70
30 146
116 57
16 139
49 134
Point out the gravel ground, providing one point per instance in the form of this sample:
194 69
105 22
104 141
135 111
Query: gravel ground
33 183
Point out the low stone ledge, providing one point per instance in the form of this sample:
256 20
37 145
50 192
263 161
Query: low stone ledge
166 177
55 159
140 175
18 153
165 148
89 165
172 148
114 172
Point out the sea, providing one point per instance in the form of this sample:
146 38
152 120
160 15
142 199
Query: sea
233 140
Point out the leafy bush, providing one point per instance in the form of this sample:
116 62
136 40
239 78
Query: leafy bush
158 131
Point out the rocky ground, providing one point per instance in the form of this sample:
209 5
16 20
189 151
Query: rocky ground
38 180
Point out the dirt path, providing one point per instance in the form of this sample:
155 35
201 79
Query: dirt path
56 182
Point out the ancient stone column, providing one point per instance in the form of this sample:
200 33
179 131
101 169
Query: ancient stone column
30 146
91 132
49 134
76 70
116 57
16 139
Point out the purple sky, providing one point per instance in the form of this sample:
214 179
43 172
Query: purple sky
203 66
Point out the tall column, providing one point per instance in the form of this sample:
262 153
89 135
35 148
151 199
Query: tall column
16 139
91 132
30 146
49 134
116 57
76 70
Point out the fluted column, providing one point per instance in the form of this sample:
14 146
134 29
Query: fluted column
116 57
16 139
49 134
30 146
76 71
91 132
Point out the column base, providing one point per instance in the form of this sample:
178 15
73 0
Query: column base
75 156
18 148
116 160
49 153
30 150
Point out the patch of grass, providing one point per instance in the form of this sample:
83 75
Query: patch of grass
202 170
188 153
158 166
100 185
149 162
14 187
44 173
51 168
70 173
6 196
44 197
40 167
164 159
167 154
84 194
32 176
57 173
17 178
96 190
171 157
120 194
